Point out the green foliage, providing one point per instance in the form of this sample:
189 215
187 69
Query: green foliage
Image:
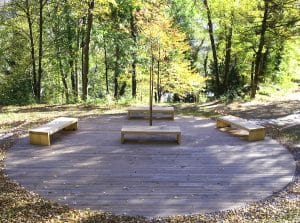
174 33
15 85
16 91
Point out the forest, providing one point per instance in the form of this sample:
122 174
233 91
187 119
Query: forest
69 51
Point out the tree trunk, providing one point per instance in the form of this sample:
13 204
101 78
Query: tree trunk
134 33
32 49
63 76
82 49
72 57
86 50
106 68
40 57
151 88
117 69
228 55
205 65
76 66
259 53
158 78
57 46
213 47
252 70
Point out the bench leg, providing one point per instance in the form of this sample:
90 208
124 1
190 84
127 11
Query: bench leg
71 127
179 138
39 138
122 138
173 116
257 134
222 124
128 115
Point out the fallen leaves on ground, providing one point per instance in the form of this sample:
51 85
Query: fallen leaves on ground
20 205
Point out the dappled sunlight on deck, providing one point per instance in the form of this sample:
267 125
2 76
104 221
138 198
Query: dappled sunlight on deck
151 175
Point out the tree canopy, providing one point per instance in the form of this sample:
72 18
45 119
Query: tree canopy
69 50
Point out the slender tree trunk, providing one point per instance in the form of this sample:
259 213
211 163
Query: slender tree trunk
151 87
63 76
205 69
32 49
205 65
56 30
259 53
213 47
252 70
158 78
228 55
134 33
106 68
76 66
71 52
117 69
72 75
79 36
82 49
86 50
40 57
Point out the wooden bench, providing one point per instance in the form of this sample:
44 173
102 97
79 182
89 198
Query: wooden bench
256 132
152 130
41 135
155 110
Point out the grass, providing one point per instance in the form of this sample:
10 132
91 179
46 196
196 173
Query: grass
20 205
24 117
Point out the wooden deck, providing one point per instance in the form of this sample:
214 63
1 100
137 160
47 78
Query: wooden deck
150 175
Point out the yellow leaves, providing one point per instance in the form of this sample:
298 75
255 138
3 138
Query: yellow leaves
167 44
180 78
102 6
160 32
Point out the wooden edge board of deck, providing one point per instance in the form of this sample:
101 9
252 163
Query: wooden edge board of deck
256 132
41 135
151 130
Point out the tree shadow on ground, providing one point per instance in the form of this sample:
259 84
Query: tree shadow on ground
209 171
268 111
53 108
244 110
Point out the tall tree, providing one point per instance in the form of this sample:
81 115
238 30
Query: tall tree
86 49
28 13
228 49
134 34
259 53
213 48
40 55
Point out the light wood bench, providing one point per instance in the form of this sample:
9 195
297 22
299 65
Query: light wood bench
256 132
152 130
41 135
155 110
